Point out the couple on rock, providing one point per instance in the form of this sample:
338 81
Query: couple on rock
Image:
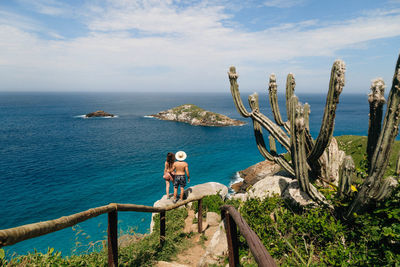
175 171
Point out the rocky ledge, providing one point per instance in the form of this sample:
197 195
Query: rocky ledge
265 179
99 113
195 115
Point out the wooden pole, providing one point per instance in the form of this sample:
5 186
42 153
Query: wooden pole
162 227
257 248
112 239
200 216
231 235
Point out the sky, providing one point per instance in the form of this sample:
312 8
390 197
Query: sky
189 45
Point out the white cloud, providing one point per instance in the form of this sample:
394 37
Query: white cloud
47 7
283 3
159 45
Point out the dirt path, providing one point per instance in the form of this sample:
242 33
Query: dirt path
192 255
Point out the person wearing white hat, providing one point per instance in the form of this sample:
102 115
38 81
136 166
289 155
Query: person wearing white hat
181 169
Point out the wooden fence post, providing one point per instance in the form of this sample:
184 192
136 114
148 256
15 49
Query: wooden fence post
112 232
162 227
231 235
200 216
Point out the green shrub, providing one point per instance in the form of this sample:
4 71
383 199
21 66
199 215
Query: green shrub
316 236
210 204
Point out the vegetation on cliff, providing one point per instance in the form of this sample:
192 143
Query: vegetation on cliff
195 115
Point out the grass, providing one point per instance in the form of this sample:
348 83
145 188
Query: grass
356 147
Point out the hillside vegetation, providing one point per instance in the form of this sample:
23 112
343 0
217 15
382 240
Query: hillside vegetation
356 147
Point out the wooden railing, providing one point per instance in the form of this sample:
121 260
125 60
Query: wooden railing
233 219
17 234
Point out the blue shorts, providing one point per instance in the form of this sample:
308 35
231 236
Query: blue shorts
180 180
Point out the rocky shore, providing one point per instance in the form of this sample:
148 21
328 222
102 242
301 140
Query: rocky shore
195 115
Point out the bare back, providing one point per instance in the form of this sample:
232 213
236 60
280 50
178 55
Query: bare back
181 167
168 168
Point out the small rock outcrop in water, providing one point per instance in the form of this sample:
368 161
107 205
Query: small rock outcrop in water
99 113
195 115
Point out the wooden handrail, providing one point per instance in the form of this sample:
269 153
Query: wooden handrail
232 219
17 234
14 235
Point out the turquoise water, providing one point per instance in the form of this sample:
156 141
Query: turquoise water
56 163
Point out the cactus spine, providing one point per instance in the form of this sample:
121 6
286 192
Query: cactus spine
376 100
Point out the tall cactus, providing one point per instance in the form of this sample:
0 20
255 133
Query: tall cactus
274 129
374 187
376 100
307 163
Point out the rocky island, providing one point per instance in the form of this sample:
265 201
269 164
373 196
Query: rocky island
99 113
195 115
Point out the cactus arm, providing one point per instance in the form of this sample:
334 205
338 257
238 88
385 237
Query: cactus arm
290 85
398 166
371 187
280 160
346 173
272 145
307 111
235 92
298 151
389 130
272 128
335 88
376 100
298 144
309 139
273 100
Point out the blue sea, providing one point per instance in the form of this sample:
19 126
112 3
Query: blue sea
54 162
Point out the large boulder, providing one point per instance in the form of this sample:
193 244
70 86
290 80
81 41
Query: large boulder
269 186
297 197
332 158
255 173
213 218
217 248
193 192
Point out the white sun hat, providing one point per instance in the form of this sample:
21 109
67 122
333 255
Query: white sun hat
180 155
